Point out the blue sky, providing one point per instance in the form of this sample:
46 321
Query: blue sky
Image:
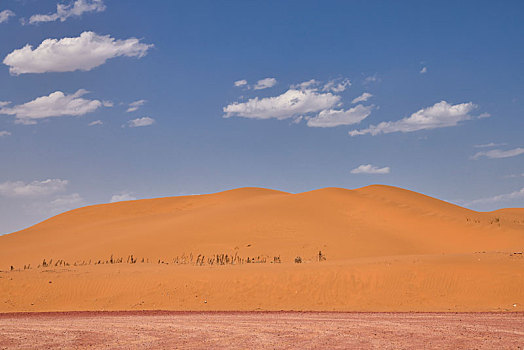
444 78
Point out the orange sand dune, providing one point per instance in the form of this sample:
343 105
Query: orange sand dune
382 249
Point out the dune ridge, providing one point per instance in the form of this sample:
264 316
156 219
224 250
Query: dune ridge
377 248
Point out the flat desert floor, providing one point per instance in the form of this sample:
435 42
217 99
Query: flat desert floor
261 330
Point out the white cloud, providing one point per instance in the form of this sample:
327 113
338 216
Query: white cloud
138 122
4 133
108 104
85 52
331 117
423 70
498 153
440 115
512 176
362 98
57 104
133 106
292 103
337 85
499 198
5 14
32 189
239 83
74 9
96 122
265 83
491 144
123 196
370 169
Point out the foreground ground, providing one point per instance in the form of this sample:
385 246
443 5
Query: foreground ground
283 330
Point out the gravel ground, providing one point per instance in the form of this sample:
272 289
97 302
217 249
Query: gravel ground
261 330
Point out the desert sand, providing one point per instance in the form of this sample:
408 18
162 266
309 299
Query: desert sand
376 248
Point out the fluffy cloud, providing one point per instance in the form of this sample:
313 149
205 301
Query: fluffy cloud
265 83
133 106
423 70
5 14
85 52
292 103
331 117
239 83
4 133
370 169
95 122
138 122
124 196
499 198
74 9
32 189
362 98
440 115
498 153
57 104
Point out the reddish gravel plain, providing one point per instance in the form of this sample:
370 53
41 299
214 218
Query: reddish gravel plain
261 330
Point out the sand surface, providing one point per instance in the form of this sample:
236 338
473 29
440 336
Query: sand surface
161 330
377 248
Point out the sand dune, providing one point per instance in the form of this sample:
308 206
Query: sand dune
383 249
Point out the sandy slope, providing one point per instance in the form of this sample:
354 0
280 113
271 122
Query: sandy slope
386 249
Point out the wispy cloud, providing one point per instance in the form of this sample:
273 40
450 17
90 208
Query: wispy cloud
73 9
332 117
337 85
499 198
139 122
95 122
265 83
4 133
370 169
498 153
122 196
423 70
362 98
133 106
5 14
491 144
85 52
440 115
56 104
32 189
66 202
371 79
512 176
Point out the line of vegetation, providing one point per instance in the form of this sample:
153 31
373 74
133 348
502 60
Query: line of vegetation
185 259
